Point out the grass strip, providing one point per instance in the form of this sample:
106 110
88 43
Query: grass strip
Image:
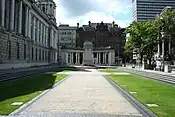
24 90
149 92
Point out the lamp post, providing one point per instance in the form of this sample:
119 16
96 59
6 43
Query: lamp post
163 50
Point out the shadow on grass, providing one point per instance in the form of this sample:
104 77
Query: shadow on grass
26 86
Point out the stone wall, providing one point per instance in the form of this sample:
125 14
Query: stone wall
3 46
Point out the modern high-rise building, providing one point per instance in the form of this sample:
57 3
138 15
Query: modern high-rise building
148 9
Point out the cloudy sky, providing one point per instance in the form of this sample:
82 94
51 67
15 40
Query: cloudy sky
73 11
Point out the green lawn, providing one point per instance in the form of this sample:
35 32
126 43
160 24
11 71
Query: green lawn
24 90
149 92
110 70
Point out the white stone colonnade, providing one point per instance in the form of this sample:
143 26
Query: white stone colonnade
76 57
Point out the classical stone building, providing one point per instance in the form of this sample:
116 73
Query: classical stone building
103 35
28 33
67 35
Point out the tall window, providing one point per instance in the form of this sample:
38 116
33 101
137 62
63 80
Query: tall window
42 34
23 18
24 51
46 35
32 54
32 25
39 54
16 12
0 12
17 46
36 29
39 31
43 55
9 49
36 53
7 13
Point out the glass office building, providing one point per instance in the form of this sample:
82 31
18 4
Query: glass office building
148 9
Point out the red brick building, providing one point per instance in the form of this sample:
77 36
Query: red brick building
102 35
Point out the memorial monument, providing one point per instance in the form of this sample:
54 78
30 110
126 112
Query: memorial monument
88 58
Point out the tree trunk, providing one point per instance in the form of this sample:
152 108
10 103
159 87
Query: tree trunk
141 58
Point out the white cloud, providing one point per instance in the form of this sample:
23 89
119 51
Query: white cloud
106 14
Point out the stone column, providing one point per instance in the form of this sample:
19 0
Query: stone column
72 57
158 46
109 58
38 31
34 23
76 60
20 18
29 28
27 21
34 53
83 55
67 58
12 11
2 12
104 58
99 57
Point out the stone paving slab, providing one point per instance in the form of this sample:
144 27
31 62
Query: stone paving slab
84 95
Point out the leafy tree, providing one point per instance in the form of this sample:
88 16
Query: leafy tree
136 40
145 35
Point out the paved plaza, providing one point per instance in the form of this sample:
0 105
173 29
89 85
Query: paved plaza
82 94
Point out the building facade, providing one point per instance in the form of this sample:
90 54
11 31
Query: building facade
67 36
103 35
148 9
28 33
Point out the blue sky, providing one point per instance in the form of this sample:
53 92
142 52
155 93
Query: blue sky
73 11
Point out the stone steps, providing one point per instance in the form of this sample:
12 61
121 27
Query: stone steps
165 78
23 73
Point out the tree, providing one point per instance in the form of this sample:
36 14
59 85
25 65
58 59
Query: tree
150 39
143 39
166 23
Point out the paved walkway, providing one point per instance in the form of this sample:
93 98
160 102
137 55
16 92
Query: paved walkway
82 94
